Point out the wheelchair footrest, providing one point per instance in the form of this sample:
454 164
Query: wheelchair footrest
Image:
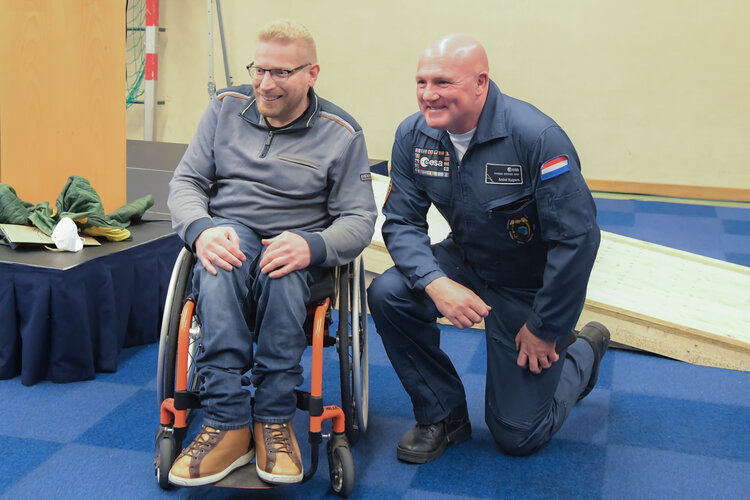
244 477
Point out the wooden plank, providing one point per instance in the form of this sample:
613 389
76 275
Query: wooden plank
673 288
658 299
673 341
673 190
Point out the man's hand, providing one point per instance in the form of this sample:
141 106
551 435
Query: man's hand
219 246
534 352
458 304
285 253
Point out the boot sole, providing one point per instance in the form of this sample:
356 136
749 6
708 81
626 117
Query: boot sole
278 478
204 480
421 457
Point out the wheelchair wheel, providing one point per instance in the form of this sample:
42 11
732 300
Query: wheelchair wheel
341 470
170 323
353 349
166 455
360 356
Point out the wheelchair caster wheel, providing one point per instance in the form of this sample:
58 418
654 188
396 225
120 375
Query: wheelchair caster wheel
167 454
341 470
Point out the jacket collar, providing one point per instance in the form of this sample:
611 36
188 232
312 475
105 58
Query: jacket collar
492 120
491 123
251 115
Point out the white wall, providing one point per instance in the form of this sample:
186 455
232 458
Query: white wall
648 91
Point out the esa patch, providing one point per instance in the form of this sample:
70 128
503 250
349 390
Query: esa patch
520 229
555 167
496 173
432 162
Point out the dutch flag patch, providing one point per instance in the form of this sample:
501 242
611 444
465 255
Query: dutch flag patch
554 167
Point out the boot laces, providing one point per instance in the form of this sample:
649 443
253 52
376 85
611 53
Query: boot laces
277 440
203 442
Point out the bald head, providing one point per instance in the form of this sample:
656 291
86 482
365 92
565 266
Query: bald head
461 50
452 83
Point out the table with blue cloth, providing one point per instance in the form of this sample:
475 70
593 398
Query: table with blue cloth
65 316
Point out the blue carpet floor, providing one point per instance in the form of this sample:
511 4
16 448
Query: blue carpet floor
652 428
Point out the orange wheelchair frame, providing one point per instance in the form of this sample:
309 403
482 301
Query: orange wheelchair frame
177 378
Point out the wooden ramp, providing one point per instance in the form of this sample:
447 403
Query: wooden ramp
651 297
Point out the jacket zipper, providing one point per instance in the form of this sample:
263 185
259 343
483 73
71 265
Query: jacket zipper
267 145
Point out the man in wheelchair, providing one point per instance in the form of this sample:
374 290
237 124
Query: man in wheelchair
273 189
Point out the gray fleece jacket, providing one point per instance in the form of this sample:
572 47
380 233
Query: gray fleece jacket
311 177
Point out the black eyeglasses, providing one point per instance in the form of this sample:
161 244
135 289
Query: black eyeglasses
278 74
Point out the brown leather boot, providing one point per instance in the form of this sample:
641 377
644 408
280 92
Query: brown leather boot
212 456
278 458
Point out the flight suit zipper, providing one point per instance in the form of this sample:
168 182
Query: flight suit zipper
459 203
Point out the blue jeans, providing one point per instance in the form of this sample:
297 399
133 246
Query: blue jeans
522 410
237 308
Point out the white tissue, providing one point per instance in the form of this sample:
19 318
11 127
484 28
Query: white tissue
66 236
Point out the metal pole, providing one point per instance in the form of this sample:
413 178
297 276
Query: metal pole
223 44
211 85
151 67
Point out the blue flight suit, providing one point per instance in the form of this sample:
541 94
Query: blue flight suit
523 237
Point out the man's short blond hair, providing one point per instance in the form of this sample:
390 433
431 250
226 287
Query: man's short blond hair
287 31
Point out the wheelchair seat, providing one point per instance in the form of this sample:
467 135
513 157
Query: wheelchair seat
323 288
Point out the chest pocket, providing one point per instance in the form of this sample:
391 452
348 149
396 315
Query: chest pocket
296 176
499 200
438 189
299 161
515 216
503 207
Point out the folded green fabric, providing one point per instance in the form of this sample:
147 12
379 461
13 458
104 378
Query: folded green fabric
13 210
78 200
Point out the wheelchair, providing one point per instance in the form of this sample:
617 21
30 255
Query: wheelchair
177 379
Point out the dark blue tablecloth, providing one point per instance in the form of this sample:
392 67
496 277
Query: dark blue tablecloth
64 322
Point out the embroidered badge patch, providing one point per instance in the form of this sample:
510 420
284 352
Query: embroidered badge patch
520 229
496 173
365 177
555 167
432 162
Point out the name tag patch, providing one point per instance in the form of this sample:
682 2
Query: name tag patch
496 173
432 162
365 177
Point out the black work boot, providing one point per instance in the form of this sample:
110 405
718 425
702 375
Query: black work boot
424 443
597 336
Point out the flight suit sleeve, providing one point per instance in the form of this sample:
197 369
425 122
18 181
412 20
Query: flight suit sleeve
405 211
567 218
